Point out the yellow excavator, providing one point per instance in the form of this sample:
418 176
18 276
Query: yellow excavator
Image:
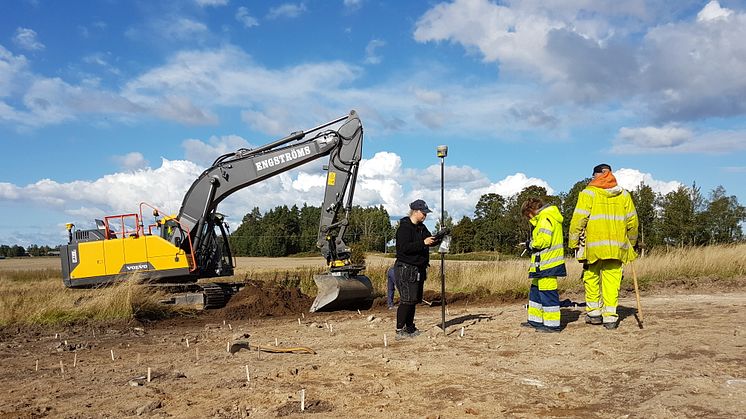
184 248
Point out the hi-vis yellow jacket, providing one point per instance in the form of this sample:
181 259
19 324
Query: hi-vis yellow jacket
609 219
547 248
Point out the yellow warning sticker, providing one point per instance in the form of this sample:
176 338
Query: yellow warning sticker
331 179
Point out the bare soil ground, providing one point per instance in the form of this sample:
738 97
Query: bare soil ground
688 361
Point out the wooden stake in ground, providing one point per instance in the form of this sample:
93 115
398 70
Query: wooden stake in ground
75 359
112 354
62 368
637 295
37 365
138 358
148 374
385 341
196 354
462 333
302 399
248 377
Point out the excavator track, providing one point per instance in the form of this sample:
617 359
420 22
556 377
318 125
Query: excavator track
214 296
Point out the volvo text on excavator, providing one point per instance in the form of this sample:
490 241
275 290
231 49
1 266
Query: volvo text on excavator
194 244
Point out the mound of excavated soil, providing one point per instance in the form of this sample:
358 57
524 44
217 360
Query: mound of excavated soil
259 299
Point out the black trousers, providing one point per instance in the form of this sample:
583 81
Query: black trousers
410 281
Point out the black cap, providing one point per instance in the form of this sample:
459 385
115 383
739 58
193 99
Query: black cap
419 205
600 168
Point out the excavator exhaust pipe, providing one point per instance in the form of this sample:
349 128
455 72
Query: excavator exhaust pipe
340 292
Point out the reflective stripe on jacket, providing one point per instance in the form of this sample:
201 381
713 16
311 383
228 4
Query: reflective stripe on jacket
609 219
548 251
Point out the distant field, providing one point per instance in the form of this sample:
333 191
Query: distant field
31 289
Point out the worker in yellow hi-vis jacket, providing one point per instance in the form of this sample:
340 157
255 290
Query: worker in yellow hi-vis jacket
607 215
547 263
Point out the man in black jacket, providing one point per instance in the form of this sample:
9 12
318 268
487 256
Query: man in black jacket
412 259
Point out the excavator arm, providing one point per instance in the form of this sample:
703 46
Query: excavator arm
237 170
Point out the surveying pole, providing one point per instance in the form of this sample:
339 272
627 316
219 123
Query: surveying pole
442 153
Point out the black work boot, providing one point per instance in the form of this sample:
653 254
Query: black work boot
611 326
594 320
547 329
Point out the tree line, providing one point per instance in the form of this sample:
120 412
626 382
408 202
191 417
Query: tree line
284 230
18 251
683 217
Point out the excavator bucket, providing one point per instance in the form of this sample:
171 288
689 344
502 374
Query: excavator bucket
342 292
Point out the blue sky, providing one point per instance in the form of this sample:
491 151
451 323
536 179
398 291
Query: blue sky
105 104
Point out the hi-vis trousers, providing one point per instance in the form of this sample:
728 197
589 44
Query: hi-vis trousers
602 280
543 302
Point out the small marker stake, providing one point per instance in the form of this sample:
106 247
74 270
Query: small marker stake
223 322
187 341
196 353
303 315
62 368
248 377
56 335
302 399
75 359
462 332
358 311
65 343
298 321
37 365
277 343
138 358
230 327
385 341
228 347
148 374
112 354
331 329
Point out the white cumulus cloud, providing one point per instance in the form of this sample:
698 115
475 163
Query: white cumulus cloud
630 179
131 161
243 16
286 10
371 55
713 11
26 39
204 153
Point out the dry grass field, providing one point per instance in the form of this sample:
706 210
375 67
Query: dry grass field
31 291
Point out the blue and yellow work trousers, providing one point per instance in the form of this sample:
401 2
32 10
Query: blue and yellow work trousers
543 302
602 280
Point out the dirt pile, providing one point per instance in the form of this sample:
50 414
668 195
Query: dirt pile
260 299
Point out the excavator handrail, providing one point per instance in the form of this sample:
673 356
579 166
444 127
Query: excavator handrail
193 264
